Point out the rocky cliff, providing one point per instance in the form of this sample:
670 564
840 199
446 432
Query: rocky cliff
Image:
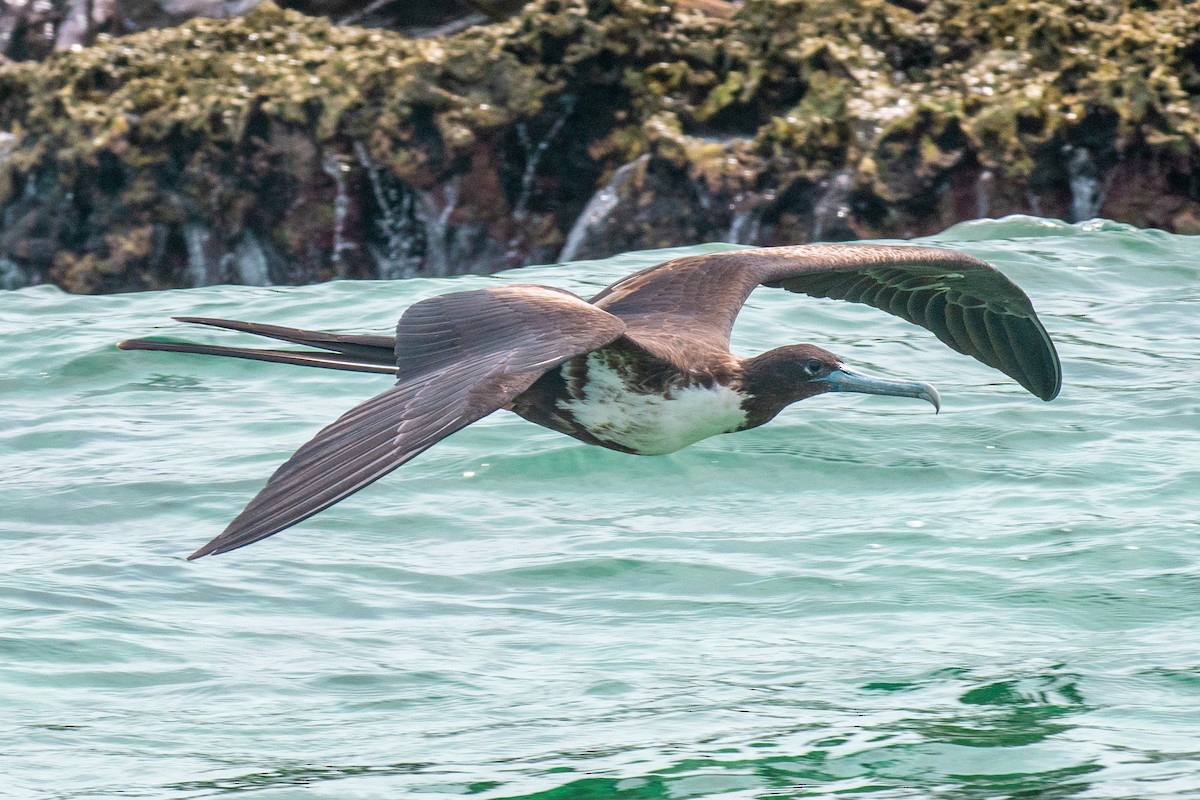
280 148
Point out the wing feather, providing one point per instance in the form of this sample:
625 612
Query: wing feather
1006 355
504 339
965 302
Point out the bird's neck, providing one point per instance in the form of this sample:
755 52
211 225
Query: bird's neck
769 388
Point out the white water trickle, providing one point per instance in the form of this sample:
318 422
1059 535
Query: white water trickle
195 238
81 19
534 154
598 208
250 261
334 168
395 223
745 227
1087 187
12 276
433 209
832 206
1035 205
983 193
742 227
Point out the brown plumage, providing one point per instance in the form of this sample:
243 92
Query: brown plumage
644 367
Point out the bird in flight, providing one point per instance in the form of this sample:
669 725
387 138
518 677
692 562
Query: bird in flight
643 367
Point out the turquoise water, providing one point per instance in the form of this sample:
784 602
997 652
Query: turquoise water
862 598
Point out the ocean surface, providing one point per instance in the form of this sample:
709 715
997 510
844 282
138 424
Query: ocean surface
861 599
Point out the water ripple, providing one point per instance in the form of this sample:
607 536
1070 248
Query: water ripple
862 598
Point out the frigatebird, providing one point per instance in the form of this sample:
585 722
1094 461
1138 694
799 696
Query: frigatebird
643 367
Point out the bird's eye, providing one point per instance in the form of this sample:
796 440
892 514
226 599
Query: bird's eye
814 367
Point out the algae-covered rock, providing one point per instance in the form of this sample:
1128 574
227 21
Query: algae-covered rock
32 29
281 148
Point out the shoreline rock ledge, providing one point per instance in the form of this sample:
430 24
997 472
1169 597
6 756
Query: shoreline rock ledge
278 148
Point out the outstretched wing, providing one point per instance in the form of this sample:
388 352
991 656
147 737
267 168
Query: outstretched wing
461 357
967 303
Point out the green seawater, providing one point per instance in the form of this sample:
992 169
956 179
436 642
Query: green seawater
861 599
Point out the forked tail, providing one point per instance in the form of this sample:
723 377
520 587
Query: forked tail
352 352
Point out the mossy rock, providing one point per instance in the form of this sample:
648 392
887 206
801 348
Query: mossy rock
349 152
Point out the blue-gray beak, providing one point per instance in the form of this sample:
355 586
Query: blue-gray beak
845 379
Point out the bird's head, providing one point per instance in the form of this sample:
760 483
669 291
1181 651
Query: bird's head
785 375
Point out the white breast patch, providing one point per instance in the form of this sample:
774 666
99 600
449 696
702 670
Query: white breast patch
651 424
